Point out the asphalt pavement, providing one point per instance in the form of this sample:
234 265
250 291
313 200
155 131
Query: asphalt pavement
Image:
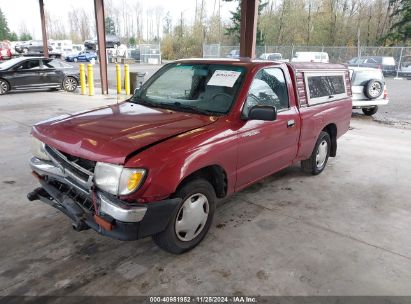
343 232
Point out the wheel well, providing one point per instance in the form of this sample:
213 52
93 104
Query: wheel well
214 174
8 83
5 81
331 129
71 76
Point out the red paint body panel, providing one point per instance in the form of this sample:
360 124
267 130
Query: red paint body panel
172 145
111 133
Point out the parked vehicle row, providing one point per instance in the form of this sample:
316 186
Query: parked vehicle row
28 73
32 46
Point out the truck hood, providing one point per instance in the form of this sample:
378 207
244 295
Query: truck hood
111 133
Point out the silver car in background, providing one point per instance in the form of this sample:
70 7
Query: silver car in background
368 89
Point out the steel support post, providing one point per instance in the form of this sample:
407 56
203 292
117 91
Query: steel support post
101 43
248 29
43 29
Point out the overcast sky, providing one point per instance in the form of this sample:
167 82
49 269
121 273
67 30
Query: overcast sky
27 11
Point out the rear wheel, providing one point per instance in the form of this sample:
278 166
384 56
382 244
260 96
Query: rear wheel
4 87
370 111
319 157
70 84
75 59
192 220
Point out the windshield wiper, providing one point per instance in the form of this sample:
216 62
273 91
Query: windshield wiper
173 106
143 102
194 109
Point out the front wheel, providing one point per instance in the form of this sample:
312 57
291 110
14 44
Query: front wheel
70 84
193 218
319 157
370 111
4 87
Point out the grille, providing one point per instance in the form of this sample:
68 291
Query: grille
81 199
79 169
89 165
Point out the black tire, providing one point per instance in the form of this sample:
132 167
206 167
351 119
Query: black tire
69 84
168 240
4 87
312 164
373 89
370 111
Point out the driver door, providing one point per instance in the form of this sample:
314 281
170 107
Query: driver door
266 147
27 74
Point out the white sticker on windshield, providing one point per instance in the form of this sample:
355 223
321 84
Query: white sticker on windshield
224 78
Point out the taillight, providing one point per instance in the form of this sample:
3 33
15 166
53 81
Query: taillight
385 92
379 66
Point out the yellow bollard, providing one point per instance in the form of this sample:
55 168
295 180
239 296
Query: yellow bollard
82 79
90 80
126 79
118 77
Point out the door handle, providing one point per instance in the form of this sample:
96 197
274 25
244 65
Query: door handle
290 123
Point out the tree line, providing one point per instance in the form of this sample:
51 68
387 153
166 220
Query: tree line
280 22
6 34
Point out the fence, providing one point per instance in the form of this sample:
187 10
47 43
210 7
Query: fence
337 54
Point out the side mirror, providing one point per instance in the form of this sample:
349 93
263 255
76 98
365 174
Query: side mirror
267 113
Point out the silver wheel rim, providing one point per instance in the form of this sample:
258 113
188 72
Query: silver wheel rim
192 217
321 154
3 87
75 59
70 84
375 89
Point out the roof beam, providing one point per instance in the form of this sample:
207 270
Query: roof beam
43 29
101 43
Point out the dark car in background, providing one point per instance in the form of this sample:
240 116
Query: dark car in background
25 73
385 63
111 42
32 46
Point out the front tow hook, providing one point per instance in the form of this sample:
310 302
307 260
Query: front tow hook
34 195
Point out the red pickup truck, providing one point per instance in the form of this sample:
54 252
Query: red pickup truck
195 132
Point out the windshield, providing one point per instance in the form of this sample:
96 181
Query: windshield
203 88
7 64
361 78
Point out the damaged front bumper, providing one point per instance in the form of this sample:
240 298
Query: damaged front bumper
97 210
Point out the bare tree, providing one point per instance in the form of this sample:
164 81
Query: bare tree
79 24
